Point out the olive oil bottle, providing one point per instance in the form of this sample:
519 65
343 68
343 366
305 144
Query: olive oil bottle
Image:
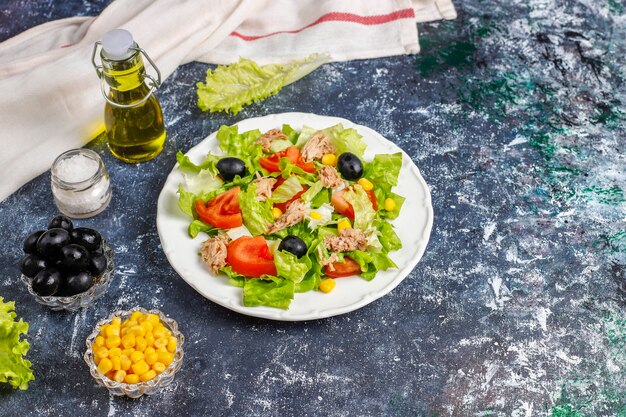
132 114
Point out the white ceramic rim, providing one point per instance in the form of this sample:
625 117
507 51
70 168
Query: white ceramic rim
350 293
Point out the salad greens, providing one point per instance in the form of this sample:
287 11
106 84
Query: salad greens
231 87
322 213
14 369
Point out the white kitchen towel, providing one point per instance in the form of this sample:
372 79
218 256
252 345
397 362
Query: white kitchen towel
50 97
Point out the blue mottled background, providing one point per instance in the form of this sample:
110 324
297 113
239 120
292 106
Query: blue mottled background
514 113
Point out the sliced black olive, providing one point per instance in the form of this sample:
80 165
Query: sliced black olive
47 282
294 245
350 166
51 241
86 237
77 283
230 167
98 264
62 222
31 264
75 257
30 243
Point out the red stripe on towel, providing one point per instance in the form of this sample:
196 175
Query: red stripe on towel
340 17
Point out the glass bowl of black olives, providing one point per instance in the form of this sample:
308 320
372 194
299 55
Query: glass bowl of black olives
66 268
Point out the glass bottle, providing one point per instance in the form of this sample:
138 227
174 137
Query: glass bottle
132 114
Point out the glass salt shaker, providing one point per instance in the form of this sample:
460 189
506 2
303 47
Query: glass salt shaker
80 183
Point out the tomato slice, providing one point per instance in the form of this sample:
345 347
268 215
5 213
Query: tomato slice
283 206
250 256
222 211
271 162
346 268
342 206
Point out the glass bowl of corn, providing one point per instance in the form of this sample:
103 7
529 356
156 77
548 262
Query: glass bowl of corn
135 352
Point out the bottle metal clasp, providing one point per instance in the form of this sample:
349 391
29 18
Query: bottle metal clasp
154 84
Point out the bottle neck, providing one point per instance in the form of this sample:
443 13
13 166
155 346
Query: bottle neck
124 75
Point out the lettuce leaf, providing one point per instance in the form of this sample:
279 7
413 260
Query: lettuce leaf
312 192
371 263
257 215
14 369
229 88
185 164
364 213
268 291
288 265
383 171
286 190
346 140
197 226
243 146
388 237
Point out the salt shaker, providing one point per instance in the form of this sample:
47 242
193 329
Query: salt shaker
80 183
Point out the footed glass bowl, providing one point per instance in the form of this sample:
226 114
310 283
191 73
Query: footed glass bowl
100 286
163 379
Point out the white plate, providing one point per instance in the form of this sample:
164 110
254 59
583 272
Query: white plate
412 226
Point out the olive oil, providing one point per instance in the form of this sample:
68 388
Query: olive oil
134 125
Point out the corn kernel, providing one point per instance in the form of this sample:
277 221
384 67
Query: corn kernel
112 342
149 350
147 326
103 329
166 358
117 321
119 376
96 360
117 365
125 363
327 285
147 376
160 342
151 358
127 352
99 341
159 331
140 367
131 378
137 331
162 349
136 315
158 367
130 323
136 356
171 345
315 215
153 318
105 365
149 339
343 224
366 184
110 374
276 213
101 353
329 159
390 204
140 344
128 341
115 352
112 331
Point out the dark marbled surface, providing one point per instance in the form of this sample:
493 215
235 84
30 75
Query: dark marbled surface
514 113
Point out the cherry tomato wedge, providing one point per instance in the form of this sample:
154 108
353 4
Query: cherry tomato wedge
222 211
293 154
342 206
250 256
343 269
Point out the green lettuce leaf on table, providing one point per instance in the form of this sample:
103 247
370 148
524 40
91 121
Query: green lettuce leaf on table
14 369
229 88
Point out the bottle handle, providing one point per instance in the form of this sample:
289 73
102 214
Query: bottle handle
154 85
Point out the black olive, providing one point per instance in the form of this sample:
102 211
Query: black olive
30 243
51 241
77 283
86 237
350 166
75 257
62 222
31 264
98 264
229 167
294 245
47 282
